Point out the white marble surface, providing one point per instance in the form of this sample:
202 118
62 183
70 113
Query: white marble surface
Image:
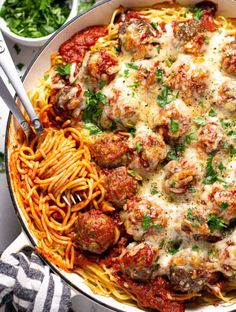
9 225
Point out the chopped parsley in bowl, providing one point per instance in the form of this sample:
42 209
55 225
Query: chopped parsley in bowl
30 22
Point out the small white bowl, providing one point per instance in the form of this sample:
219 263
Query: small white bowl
33 42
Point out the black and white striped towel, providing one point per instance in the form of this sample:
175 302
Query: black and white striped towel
30 286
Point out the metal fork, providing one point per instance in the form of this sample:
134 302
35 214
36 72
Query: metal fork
9 68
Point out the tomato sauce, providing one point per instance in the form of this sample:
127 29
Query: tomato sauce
153 294
74 49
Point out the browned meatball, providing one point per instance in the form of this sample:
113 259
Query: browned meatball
68 98
120 186
139 261
210 137
180 175
186 30
226 96
95 231
191 85
188 279
149 149
137 37
111 151
142 217
103 65
228 62
175 119
221 202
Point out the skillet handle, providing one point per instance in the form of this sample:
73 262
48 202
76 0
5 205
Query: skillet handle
17 245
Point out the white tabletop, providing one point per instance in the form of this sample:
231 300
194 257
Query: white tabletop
9 225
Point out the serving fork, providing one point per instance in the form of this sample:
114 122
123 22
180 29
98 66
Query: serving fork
9 68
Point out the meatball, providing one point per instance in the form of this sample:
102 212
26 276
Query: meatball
149 150
143 216
228 62
139 261
68 98
138 36
225 96
179 176
103 66
175 119
95 232
196 45
210 137
190 84
120 186
120 112
111 151
188 279
186 30
221 201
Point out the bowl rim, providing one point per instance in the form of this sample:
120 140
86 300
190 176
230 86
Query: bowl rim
7 31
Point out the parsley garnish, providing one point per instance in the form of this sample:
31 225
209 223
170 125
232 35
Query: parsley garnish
159 74
158 49
169 62
173 247
63 70
212 113
215 223
132 66
165 97
45 77
192 189
83 6
95 103
197 13
224 205
102 83
195 248
146 222
172 155
195 220
233 150
138 147
153 189
132 130
200 121
211 174
221 167
190 137
174 125
154 25
126 73
93 129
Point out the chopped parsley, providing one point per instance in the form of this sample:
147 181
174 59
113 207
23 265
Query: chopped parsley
34 19
221 167
174 125
45 77
212 113
169 62
197 13
63 70
132 66
93 129
190 137
211 174
154 25
171 155
158 49
102 83
200 121
153 189
159 74
165 97
95 103
180 147
138 147
195 220
233 150
85 5
126 73
192 189
173 247
195 248
134 86
146 222
215 223
224 205
132 130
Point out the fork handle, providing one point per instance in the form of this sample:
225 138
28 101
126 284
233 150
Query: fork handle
10 102
8 66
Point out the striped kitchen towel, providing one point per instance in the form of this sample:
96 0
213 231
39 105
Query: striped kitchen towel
30 286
